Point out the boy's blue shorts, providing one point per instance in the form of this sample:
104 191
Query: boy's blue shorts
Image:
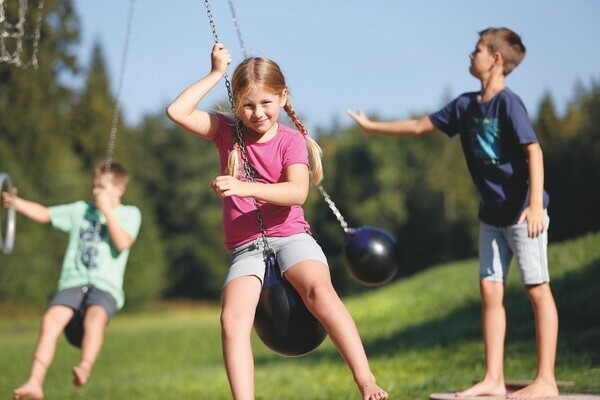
497 245
83 296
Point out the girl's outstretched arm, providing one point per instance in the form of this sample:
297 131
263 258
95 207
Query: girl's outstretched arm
183 109
293 191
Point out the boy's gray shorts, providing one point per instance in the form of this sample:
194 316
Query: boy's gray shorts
247 259
83 296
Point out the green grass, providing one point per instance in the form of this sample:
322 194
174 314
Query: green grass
422 335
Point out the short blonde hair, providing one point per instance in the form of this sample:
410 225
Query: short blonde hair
261 72
505 42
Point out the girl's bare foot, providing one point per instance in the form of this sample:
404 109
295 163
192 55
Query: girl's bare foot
484 388
370 390
81 373
538 389
30 390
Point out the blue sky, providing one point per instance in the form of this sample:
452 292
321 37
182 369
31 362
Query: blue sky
394 58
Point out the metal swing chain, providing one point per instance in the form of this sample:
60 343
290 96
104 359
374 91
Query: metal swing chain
336 212
237 29
36 37
238 130
115 119
17 31
117 110
334 209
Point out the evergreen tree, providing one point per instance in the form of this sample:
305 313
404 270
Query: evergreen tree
176 168
51 138
33 105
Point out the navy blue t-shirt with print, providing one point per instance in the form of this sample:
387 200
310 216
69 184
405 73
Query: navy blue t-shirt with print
492 135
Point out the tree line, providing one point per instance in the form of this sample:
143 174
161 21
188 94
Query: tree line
419 190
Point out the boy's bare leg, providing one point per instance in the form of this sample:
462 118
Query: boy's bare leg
546 328
53 322
94 325
240 297
494 331
312 281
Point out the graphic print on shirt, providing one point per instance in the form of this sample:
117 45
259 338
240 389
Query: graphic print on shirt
87 253
485 139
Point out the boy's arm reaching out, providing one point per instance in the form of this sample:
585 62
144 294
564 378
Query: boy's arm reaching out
409 127
30 209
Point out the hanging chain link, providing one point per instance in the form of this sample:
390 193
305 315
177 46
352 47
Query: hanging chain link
237 29
239 139
117 110
334 209
17 32
36 37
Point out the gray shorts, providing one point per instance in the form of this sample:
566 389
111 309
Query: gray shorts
498 245
247 259
79 298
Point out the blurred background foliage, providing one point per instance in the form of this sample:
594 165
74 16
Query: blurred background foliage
419 190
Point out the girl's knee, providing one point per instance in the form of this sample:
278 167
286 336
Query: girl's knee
233 323
227 320
319 294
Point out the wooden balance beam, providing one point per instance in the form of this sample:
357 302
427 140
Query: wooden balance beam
512 386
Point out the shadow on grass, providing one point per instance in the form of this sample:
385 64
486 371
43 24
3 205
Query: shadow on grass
577 297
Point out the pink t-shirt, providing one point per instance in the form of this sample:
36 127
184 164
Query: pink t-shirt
269 160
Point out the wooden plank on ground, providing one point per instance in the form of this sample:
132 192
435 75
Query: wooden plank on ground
563 396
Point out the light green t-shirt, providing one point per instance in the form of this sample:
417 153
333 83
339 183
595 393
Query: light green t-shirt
91 259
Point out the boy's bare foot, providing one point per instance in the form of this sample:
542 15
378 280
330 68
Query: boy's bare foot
370 390
29 390
537 390
81 373
484 388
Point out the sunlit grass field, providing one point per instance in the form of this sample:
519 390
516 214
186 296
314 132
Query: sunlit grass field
422 335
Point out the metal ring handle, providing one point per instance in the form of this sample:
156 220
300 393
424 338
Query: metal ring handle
7 243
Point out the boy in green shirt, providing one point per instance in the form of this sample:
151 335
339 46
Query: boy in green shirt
101 233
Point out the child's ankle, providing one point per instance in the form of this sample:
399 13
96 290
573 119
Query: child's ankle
365 379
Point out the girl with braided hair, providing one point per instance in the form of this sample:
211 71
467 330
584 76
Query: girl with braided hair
283 162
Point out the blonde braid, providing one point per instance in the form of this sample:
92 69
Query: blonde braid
233 161
314 150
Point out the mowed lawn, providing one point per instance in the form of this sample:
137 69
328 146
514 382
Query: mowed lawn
422 335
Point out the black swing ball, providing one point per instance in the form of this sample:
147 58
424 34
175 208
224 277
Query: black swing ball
371 255
282 321
74 330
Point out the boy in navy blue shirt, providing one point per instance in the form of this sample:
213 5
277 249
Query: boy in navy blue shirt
506 163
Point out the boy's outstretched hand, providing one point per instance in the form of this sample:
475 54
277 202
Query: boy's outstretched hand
361 119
